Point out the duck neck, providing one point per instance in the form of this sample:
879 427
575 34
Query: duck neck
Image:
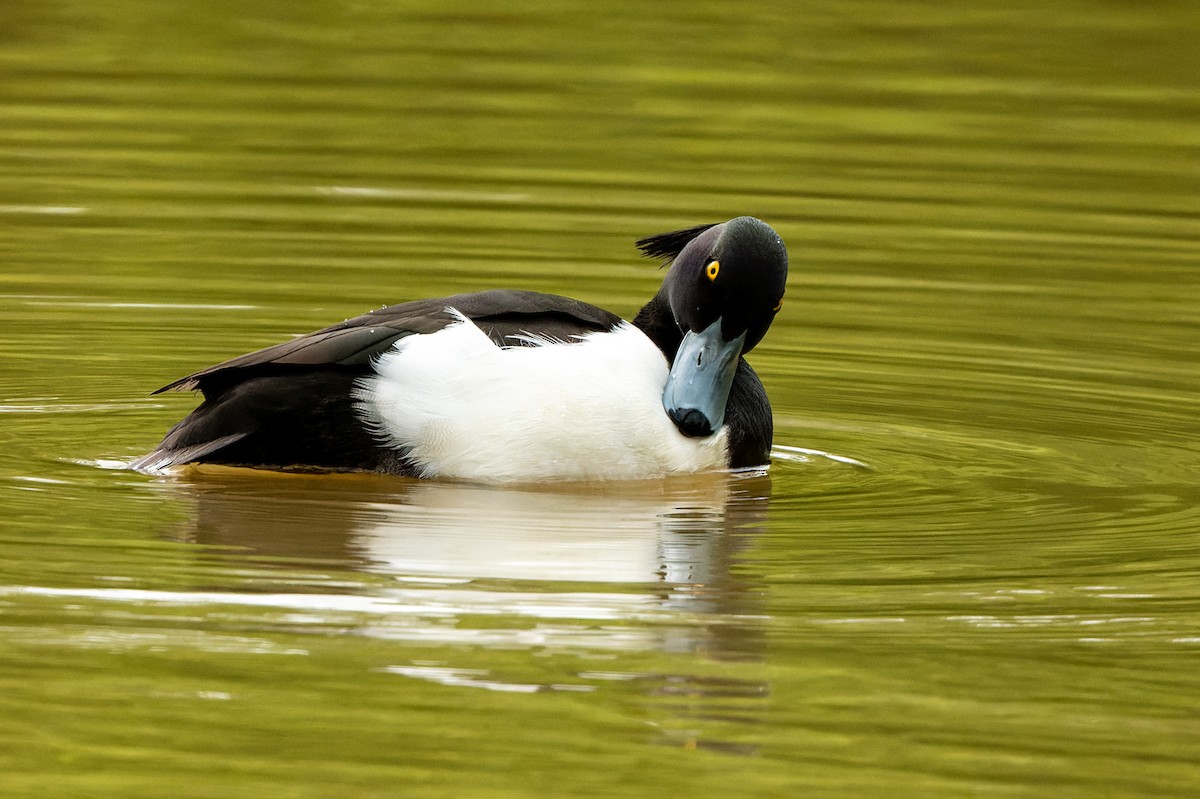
656 320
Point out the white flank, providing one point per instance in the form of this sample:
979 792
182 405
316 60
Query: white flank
588 410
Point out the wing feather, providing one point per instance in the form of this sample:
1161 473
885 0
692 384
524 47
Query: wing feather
505 315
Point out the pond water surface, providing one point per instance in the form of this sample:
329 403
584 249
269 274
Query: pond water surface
973 568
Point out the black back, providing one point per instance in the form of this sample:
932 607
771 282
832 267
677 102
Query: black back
292 406
505 315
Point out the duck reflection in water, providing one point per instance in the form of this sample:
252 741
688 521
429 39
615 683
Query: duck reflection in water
607 568
675 537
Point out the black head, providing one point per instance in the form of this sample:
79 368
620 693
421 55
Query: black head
735 271
725 286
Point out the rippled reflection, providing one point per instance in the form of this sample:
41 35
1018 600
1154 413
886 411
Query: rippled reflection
651 560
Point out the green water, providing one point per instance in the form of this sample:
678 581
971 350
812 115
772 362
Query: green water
994 305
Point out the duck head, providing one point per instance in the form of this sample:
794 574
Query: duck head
725 285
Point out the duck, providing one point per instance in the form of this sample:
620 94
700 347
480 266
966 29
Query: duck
506 385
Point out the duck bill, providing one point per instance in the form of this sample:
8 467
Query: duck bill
700 379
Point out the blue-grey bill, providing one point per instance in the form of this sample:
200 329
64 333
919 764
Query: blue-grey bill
701 376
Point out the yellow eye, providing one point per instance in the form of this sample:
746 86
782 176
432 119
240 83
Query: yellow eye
778 305
712 270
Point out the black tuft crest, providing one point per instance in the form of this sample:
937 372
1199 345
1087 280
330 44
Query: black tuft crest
669 245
